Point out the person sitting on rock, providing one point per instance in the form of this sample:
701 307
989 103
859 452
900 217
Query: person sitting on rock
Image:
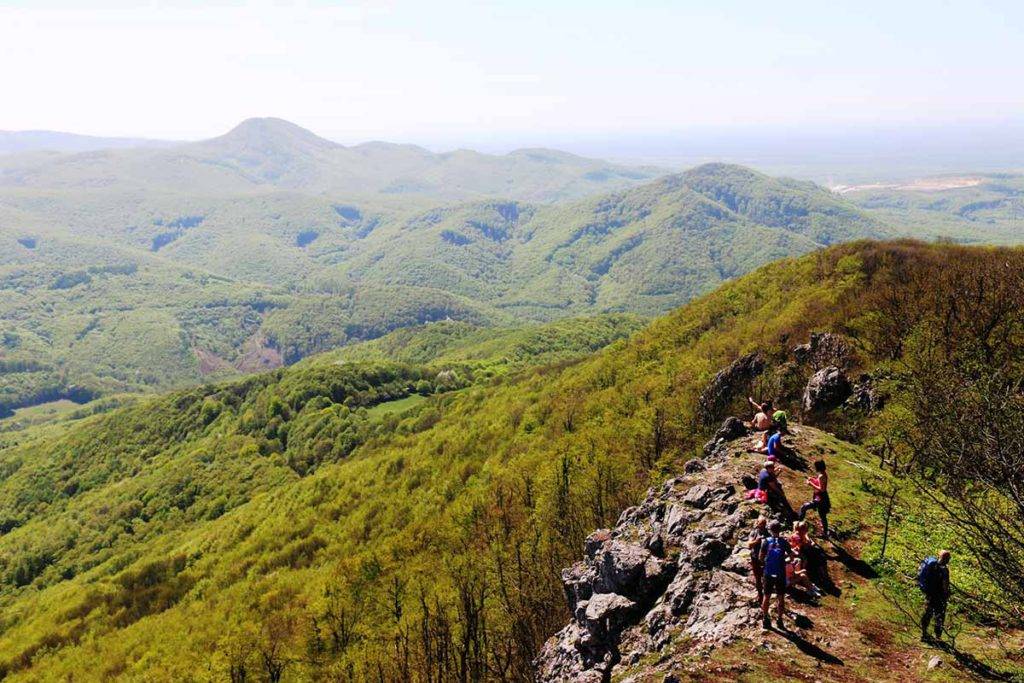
759 533
799 539
771 444
796 576
780 421
797 571
769 483
819 500
775 550
762 421
762 416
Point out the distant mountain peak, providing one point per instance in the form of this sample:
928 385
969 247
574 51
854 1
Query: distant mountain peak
274 131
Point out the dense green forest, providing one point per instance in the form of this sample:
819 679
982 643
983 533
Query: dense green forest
123 286
151 269
290 526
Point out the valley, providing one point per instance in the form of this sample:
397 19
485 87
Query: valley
256 249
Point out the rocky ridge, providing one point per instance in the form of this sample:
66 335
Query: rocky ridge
674 567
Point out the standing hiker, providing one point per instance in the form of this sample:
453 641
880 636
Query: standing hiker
775 551
819 500
933 580
758 535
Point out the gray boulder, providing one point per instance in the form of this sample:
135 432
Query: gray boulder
607 613
826 389
726 384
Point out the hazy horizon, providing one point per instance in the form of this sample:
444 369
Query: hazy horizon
504 71
829 155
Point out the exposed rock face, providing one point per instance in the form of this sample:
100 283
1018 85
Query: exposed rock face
726 384
824 349
732 428
826 389
866 396
674 567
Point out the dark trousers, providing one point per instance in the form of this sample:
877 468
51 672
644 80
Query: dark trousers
934 606
822 513
758 571
778 501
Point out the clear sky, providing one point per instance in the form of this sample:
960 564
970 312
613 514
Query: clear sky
436 70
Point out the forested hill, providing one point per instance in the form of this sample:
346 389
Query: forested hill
410 522
187 287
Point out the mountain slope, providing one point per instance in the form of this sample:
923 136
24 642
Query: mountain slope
646 249
81 319
273 523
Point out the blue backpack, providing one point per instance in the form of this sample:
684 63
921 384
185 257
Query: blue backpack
775 557
925 572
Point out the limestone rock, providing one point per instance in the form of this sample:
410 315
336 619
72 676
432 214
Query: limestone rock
672 567
826 389
726 384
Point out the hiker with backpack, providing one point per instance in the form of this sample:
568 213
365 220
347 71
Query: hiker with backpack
775 551
933 580
819 499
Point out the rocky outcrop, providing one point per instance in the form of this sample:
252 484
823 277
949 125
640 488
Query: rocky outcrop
732 428
673 569
726 384
824 349
826 389
866 395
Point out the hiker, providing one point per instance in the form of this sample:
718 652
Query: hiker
819 499
771 443
762 421
774 552
780 421
762 417
933 580
759 533
797 571
769 483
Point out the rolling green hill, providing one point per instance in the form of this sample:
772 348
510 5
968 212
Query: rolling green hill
978 208
274 528
133 284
